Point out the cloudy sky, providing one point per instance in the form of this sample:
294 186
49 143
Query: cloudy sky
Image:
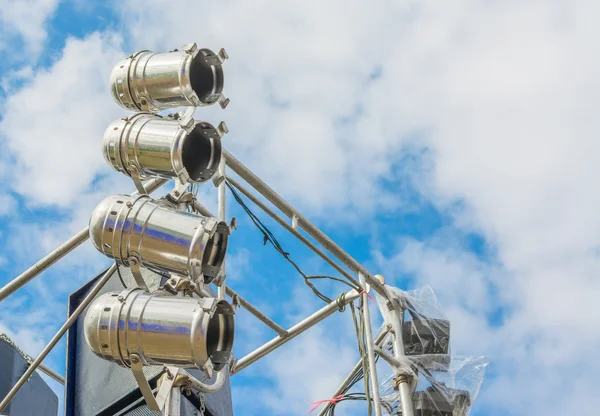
444 143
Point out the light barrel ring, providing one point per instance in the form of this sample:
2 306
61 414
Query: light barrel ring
149 81
161 147
160 328
161 238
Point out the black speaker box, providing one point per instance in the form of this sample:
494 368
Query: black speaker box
35 398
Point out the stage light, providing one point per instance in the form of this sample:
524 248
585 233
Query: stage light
147 145
160 329
148 81
139 231
426 336
440 400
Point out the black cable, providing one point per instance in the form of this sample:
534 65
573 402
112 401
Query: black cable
269 237
120 277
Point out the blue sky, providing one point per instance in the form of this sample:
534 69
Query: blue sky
450 145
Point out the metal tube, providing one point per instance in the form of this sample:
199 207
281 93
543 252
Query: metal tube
396 324
352 374
52 374
222 213
390 360
44 263
309 227
370 345
58 253
201 209
294 331
209 388
288 227
70 321
254 311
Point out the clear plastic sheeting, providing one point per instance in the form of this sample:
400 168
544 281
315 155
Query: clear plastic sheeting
447 386
425 328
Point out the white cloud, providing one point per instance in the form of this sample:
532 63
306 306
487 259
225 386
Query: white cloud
53 126
27 22
11 78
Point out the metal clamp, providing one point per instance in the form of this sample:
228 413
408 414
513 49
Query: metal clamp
179 194
217 179
187 121
178 284
222 129
233 225
223 101
135 176
190 48
134 265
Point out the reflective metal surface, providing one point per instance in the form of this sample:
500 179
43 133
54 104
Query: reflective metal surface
160 329
148 81
149 145
159 237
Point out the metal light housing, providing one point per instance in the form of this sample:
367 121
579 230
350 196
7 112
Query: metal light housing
160 329
147 145
148 81
156 236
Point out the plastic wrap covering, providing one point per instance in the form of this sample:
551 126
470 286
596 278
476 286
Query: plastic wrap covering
425 328
447 386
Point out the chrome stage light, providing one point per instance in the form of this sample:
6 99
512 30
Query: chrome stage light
148 81
146 145
160 329
139 231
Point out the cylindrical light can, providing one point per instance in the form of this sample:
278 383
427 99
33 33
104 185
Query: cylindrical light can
159 237
161 147
149 81
160 329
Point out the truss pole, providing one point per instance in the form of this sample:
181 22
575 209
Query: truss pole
52 374
296 330
370 349
59 253
70 321
352 374
293 214
404 385
254 311
289 228
222 213
44 263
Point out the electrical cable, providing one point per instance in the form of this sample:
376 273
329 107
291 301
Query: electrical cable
360 329
269 237
120 277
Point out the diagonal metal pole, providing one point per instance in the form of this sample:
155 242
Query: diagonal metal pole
352 374
58 253
70 321
288 227
257 313
294 331
52 374
304 223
